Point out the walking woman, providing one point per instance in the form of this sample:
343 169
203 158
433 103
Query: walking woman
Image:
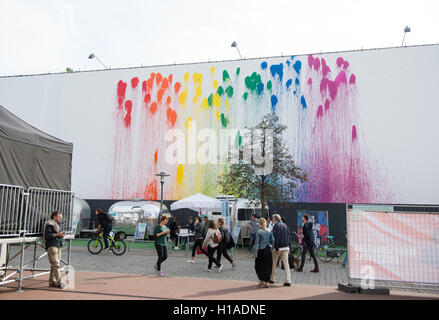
212 234
223 246
161 232
198 236
264 241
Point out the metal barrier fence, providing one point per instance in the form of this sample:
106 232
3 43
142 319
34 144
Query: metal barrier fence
11 210
40 203
393 246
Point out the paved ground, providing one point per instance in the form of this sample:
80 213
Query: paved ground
131 276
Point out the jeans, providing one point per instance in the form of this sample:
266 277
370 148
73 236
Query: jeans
162 253
212 259
198 243
106 233
311 253
251 242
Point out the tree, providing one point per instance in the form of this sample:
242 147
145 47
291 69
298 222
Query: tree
69 70
271 180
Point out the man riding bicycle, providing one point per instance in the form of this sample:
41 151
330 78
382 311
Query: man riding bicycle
105 225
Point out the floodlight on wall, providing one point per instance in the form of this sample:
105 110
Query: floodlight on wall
235 45
91 56
406 29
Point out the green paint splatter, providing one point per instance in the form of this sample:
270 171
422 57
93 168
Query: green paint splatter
238 70
224 120
269 85
229 91
238 140
220 90
225 75
252 81
245 96
210 100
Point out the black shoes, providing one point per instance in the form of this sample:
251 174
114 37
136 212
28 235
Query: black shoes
315 270
271 281
287 284
299 269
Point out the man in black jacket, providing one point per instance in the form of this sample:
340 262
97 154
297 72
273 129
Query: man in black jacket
105 225
53 243
308 244
281 248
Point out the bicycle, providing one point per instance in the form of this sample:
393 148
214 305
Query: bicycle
328 251
116 245
296 248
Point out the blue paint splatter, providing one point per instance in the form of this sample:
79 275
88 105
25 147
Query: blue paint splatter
260 88
287 62
264 65
297 66
289 82
273 102
303 102
295 92
292 57
277 69
297 81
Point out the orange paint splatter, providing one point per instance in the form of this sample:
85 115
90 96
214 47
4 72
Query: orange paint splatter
172 116
158 78
153 107
160 94
170 78
150 83
155 157
177 87
128 108
165 84
151 191
168 100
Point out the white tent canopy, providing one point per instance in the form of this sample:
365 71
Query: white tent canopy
198 202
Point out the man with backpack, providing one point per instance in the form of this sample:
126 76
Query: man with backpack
105 225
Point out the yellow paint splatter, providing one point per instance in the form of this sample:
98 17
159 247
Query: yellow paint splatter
205 104
198 78
217 100
227 104
186 77
212 70
189 123
180 174
182 98
218 116
215 84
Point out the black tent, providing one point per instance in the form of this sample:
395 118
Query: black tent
32 158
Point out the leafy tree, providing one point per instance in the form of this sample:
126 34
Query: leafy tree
271 180
69 70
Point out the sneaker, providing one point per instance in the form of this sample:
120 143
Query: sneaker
160 274
234 266
220 268
176 248
190 261
209 270
271 281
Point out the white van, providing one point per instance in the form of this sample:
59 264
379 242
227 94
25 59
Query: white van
240 213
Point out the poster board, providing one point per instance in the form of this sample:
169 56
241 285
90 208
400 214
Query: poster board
320 225
235 234
140 231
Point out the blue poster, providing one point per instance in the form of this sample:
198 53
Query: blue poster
140 231
320 225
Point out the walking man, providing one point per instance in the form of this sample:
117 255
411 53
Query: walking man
308 244
52 238
281 248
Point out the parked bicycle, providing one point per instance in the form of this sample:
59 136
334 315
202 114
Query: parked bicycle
296 247
116 244
328 251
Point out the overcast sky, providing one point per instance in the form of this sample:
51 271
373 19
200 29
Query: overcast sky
49 35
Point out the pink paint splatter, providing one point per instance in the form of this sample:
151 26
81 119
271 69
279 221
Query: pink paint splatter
327 103
325 68
340 62
320 111
121 89
354 133
134 82
352 79
128 108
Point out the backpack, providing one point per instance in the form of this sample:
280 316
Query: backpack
217 237
109 218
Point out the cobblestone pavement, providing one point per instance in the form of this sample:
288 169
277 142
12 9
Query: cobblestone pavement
141 261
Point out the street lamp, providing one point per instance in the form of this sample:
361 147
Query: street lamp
406 29
91 56
235 45
162 176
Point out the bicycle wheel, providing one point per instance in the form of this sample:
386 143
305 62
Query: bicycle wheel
94 246
323 254
295 249
118 247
